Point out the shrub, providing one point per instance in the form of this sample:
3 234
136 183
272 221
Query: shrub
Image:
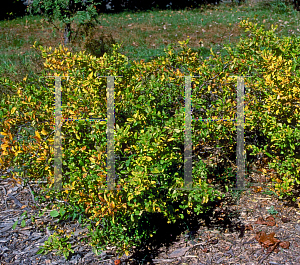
276 113
149 131
150 144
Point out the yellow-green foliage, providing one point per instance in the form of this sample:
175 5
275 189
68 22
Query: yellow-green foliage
151 142
276 64
150 129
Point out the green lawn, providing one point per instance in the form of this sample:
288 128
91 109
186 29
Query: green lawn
144 34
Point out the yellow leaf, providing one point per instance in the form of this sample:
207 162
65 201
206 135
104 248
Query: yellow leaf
16 153
205 199
112 204
29 98
43 132
90 76
37 134
13 110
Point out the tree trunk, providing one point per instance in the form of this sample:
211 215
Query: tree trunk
67 37
297 5
66 33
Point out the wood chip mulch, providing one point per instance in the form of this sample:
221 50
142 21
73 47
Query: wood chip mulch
235 232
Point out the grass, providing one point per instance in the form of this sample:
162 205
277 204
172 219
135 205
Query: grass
144 34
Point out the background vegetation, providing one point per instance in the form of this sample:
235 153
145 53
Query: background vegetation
143 35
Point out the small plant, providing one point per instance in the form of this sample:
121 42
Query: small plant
236 194
269 192
272 210
23 222
56 243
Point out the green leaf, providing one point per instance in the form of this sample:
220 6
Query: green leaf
155 171
54 213
62 212
15 225
40 251
269 155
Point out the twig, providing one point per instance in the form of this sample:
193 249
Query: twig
104 260
190 256
17 202
163 260
31 193
4 196
61 33
266 255
232 164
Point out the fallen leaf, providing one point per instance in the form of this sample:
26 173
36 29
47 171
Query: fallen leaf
270 221
248 227
285 219
284 244
205 250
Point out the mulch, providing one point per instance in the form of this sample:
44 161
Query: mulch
239 231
